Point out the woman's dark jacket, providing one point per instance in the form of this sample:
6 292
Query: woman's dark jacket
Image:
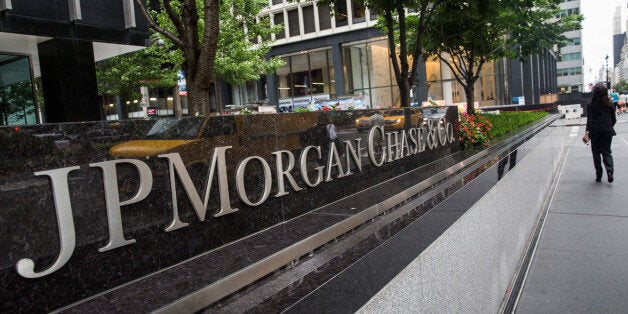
600 119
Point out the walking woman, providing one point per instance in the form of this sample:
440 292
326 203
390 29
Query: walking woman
600 121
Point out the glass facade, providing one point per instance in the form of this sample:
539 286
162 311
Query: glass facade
304 78
368 73
17 97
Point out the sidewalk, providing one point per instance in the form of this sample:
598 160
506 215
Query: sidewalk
581 260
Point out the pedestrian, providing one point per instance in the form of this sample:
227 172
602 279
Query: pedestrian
614 98
601 118
327 133
378 141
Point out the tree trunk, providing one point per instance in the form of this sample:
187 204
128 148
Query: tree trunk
218 85
198 99
469 93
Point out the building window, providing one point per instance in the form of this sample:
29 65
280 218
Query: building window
305 78
324 17
17 100
574 41
300 75
568 71
308 19
433 76
278 19
277 2
358 12
340 13
571 56
284 78
293 23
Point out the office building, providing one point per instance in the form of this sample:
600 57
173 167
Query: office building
49 48
337 55
570 62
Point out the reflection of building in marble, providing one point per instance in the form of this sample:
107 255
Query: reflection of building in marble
334 55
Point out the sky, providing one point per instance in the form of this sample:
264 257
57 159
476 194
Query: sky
597 34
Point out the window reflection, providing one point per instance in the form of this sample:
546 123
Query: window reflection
17 102
340 13
306 77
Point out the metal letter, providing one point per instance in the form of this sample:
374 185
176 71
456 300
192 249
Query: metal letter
450 133
240 181
351 153
112 198
390 145
441 130
413 140
200 207
371 150
129 13
75 10
303 166
422 138
65 223
333 160
405 147
281 172
5 5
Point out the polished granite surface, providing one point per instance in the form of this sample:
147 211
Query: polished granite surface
30 227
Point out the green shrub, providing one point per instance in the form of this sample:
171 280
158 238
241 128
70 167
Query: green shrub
508 121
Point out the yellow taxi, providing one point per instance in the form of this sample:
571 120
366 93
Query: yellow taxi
194 138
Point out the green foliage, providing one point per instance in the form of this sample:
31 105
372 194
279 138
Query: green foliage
241 55
488 30
479 129
16 102
621 86
535 26
301 109
405 33
123 75
506 122
242 45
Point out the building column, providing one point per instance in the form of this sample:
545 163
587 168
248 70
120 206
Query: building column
516 79
68 75
421 82
272 90
446 77
536 83
336 53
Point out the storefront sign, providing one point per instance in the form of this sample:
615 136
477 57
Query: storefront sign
381 147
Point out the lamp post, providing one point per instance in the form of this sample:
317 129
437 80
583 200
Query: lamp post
608 83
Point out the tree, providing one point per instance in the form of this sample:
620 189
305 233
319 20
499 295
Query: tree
621 86
193 27
488 30
123 75
238 54
405 35
16 103
241 54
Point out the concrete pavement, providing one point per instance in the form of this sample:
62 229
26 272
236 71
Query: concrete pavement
580 264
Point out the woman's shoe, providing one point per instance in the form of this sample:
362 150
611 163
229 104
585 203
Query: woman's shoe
610 177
